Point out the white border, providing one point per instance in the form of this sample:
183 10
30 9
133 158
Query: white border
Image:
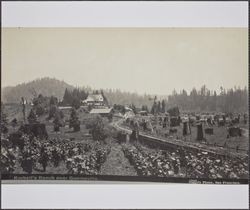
126 196
125 14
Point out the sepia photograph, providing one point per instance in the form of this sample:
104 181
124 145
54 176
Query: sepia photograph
125 104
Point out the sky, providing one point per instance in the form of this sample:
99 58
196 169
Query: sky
142 60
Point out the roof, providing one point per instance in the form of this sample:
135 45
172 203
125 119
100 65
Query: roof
94 97
101 111
128 109
64 107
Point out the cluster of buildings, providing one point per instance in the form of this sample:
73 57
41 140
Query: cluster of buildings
96 100
98 104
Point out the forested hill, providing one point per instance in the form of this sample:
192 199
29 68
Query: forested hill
48 87
45 86
231 100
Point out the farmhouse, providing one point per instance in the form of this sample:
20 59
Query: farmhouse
105 112
94 99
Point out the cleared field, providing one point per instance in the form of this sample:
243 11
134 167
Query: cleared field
218 139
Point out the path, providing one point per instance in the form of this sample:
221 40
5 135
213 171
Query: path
117 163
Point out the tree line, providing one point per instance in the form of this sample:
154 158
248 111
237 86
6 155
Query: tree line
74 97
228 101
233 100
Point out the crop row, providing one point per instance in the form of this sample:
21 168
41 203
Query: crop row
182 163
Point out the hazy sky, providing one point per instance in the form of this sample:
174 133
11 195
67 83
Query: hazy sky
145 60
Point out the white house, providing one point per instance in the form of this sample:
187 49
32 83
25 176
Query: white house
94 99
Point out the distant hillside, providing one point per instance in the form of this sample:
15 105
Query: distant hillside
45 86
48 87
231 100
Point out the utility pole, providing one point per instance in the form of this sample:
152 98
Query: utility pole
23 106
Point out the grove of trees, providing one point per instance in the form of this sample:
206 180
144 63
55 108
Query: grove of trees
74 97
45 86
229 101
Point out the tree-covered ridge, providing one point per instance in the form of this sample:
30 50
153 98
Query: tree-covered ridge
53 87
203 99
231 100
45 86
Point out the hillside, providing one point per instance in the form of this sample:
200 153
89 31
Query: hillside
45 86
48 87
231 100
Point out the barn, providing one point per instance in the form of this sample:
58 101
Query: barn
104 112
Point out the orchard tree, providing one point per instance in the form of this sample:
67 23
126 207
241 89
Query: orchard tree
41 104
163 106
74 121
52 111
32 118
154 108
58 121
53 101
159 107
97 129
14 123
